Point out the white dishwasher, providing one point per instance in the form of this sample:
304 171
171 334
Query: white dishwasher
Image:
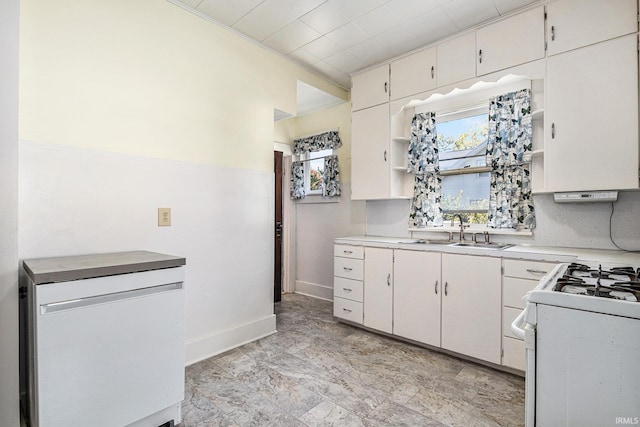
105 340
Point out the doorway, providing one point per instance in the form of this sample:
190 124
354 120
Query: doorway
278 171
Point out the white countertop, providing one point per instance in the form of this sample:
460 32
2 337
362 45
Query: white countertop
528 252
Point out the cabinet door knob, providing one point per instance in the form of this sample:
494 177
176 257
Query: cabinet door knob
553 33
446 287
389 279
435 288
480 55
433 71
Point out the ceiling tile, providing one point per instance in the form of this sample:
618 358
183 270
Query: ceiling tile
348 35
191 3
346 61
506 6
227 12
338 76
271 15
323 47
467 13
335 13
304 56
432 26
292 37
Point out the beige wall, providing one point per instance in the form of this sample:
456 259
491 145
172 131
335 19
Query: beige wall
147 77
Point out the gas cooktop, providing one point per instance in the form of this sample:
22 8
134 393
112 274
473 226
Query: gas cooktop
617 282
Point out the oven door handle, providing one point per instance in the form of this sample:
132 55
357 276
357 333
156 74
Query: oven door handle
515 326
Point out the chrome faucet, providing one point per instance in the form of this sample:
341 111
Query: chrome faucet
462 226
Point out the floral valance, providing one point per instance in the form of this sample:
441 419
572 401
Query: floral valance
322 141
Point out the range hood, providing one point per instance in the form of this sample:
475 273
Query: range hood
586 197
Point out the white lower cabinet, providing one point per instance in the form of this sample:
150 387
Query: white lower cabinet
416 296
348 270
471 303
519 277
462 303
378 289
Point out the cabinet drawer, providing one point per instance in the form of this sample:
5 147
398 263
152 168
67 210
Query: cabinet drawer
513 289
347 288
513 353
348 268
347 309
527 269
508 316
347 251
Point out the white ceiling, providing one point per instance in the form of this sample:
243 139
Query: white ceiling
338 37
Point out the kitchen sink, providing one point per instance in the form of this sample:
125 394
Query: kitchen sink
483 245
434 242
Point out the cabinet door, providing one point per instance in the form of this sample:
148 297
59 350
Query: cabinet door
456 59
370 88
471 307
416 296
511 42
370 171
413 74
378 289
578 23
591 118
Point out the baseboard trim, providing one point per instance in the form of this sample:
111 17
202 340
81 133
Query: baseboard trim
314 290
219 342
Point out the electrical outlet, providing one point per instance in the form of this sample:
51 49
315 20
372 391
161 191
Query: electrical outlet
164 217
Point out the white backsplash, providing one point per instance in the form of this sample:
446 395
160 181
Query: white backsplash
579 225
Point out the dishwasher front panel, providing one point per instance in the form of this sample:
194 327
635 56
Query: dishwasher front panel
110 350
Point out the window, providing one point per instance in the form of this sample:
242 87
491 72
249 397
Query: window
462 145
313 171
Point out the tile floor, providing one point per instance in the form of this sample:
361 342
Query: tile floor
318 372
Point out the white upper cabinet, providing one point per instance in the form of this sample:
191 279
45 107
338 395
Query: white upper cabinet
370 157
413 74
370 88
591 118
456 59
513 41
576 23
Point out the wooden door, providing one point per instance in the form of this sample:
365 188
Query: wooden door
277 239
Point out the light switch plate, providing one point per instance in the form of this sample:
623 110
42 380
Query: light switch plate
164 217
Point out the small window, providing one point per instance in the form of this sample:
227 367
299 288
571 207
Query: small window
462 145
313 171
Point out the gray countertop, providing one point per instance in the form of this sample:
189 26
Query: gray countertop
64 269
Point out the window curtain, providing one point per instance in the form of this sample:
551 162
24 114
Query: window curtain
331 174
509 149
423 160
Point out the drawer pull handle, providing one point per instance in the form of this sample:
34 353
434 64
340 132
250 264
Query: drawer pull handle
348 252
436 288
534 271
347 268
347 290
347 310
